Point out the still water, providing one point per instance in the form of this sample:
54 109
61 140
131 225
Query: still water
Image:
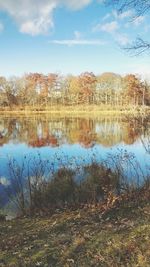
66 141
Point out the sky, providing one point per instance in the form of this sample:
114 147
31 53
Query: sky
69 37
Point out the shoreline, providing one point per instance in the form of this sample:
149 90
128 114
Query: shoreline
77 110
85 236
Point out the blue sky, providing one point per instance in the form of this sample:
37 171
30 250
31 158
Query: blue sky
68 36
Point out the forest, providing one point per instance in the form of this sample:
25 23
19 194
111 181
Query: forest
38 91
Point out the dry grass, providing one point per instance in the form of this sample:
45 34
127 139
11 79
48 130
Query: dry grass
77 110
83 237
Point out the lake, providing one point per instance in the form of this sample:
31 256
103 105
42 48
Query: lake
71 141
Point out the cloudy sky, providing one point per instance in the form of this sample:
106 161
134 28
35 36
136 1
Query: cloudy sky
68 36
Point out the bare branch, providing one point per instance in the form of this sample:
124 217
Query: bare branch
140 7
138 47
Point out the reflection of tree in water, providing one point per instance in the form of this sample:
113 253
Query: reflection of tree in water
45 131
40 142
8 130
16 130
145 137
132 130
138 129
43 135
146 144
82 131
108 131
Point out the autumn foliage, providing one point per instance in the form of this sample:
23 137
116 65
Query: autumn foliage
39 91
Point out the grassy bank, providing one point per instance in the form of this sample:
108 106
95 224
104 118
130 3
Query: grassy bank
76 110
118 235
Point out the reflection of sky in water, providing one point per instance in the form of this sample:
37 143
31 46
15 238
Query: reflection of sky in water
69 154
69 142
65 155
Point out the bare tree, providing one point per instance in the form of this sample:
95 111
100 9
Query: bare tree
141 7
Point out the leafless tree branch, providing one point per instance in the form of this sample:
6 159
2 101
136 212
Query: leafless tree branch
141 7
138 47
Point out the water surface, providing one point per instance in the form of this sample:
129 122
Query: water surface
67 141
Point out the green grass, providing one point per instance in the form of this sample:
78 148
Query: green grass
83 237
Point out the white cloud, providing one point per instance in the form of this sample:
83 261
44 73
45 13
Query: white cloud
138 21
72 42
1 27
112 28
101 1
126 14
75 4
122 39
36 26
107 16
77 34
4 181
78 40
109 27
36 16
147 28
141 68
118 16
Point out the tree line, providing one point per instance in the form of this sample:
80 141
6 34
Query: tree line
37 90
